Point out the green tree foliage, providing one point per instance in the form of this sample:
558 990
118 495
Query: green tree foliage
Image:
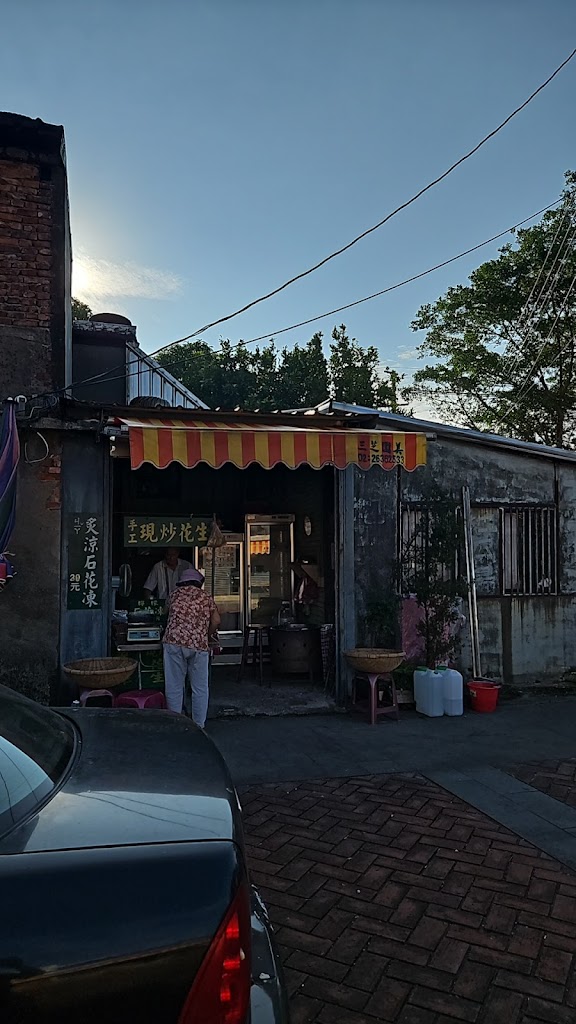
506 342
80 311
265 378
354 373
430 570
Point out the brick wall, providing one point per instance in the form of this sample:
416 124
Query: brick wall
30 609
26 257
35 259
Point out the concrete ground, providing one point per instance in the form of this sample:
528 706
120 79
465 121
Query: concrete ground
280 749
419 878
277 697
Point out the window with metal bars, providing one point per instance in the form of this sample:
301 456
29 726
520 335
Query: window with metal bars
528 551
417 524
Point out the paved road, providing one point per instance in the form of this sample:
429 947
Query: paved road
420 878
282 749
396 901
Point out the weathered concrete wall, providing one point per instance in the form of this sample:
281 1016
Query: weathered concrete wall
30 604
493 475
566 485
524 640
375 516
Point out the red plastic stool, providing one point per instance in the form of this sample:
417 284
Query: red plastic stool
97 698
372 706
145 699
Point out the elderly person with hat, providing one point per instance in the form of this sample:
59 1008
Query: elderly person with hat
192 618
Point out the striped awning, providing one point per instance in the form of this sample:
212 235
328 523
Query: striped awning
162 441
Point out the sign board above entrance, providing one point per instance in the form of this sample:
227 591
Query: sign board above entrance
166 531
189 443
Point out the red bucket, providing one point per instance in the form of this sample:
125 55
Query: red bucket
483 695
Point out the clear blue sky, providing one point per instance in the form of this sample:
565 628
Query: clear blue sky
217 147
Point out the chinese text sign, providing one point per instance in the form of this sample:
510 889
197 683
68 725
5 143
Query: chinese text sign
84 583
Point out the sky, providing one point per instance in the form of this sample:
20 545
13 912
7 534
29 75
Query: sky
216 148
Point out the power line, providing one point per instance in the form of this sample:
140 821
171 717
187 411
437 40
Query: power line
97 378
375 227
400 284
568 242
523 392
530 306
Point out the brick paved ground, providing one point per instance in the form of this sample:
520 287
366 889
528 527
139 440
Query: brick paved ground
395 901
555 778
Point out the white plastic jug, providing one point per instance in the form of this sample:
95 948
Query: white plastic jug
420 675
453 692
430 691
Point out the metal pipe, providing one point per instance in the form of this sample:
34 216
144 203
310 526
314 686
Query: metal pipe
471 577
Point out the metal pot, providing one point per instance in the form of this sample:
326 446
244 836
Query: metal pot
294 649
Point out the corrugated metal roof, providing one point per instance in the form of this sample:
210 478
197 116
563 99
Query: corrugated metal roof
464 434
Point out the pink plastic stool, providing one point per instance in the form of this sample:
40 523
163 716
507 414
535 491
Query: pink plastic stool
97 698
145 699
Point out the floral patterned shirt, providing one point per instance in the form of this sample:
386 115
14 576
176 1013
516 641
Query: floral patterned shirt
189 618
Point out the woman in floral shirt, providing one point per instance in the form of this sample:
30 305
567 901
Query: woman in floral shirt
192 618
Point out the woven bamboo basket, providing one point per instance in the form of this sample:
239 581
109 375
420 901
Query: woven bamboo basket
374 660
96 673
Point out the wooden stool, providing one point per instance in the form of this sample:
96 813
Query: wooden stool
372 704
258 631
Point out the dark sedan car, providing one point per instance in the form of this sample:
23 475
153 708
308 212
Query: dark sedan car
124 894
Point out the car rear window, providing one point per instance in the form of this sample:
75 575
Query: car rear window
36 746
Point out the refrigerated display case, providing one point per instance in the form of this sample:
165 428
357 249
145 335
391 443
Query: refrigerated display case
269 557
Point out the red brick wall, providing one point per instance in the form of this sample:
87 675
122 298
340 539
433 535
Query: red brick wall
26 260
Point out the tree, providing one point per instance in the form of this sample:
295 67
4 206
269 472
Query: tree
80 311
429 569
354 373
506 342
266 379
303 375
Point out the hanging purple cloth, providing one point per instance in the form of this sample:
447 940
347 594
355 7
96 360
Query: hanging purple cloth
9 456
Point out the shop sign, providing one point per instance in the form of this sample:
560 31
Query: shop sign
166 531
376 451
85 576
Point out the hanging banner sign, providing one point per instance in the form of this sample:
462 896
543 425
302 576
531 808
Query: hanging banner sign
85 576
166 531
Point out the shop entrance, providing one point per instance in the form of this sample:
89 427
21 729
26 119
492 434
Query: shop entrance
274 569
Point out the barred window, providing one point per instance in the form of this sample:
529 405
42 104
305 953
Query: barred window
417 524
528 550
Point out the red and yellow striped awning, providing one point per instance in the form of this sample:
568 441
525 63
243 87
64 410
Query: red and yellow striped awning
162 441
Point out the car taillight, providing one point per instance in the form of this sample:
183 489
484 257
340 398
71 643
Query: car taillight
221 990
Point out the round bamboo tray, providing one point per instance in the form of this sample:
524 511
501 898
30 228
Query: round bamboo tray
96 673
374 660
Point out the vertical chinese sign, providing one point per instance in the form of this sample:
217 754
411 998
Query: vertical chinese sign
84 589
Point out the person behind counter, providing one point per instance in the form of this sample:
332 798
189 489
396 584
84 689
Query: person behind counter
192 618
165 575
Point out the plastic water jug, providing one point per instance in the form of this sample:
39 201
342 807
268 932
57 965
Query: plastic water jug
453 692
420 675
430 693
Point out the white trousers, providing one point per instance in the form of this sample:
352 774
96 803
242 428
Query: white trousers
180 664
